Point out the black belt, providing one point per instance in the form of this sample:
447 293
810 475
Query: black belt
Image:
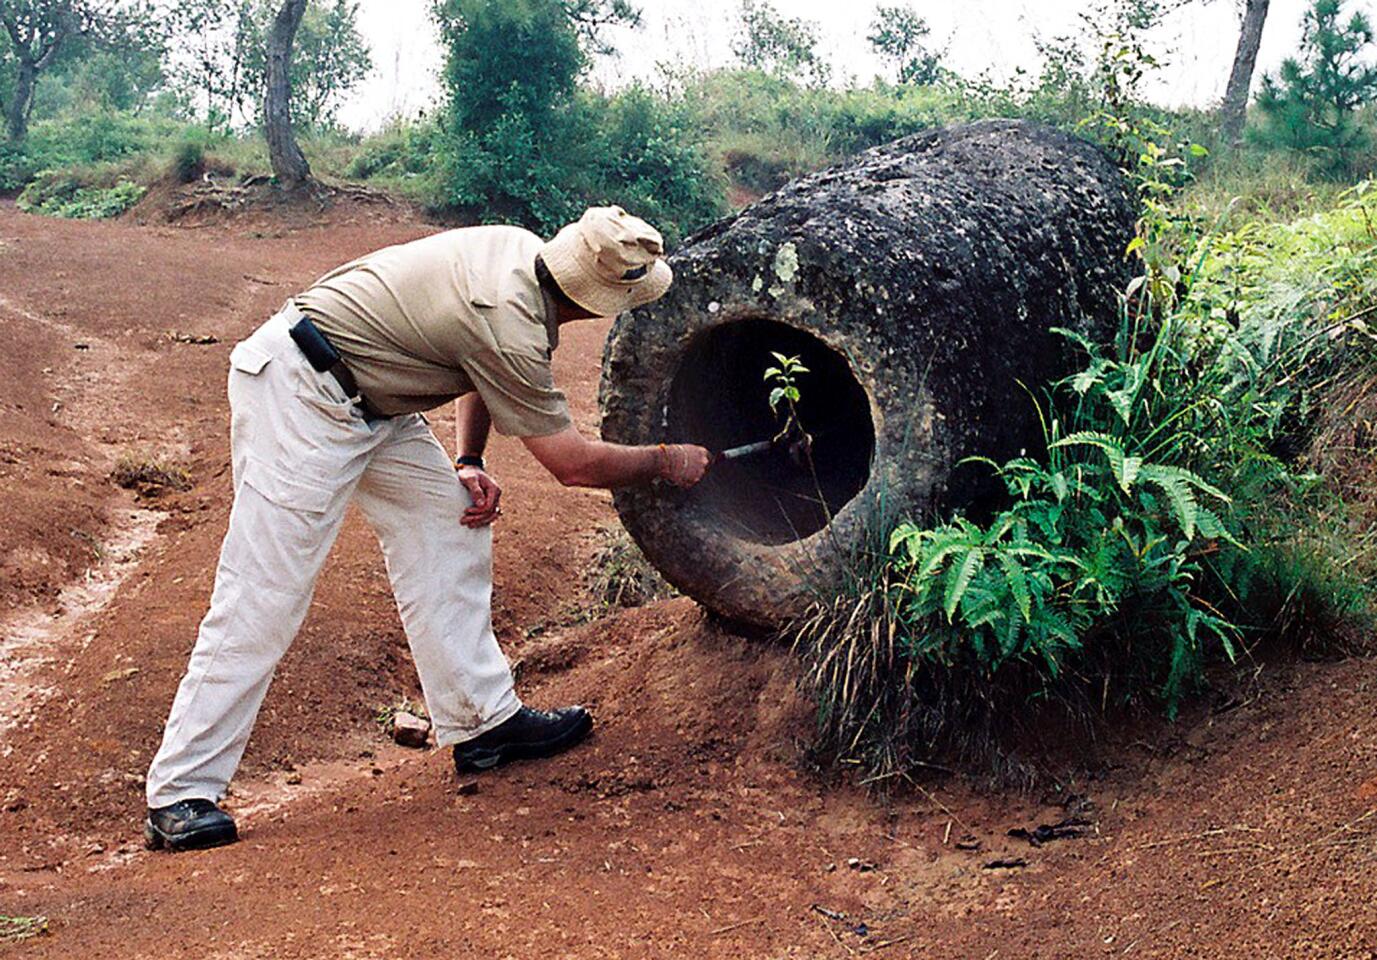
321 354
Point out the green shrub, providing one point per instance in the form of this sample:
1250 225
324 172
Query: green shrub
98 138
404 150
647 160
16 167
68 194
521 142
188 159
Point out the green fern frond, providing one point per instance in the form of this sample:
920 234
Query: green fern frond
959 577
1017 580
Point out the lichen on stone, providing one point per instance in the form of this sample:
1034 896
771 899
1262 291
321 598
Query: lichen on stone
786 262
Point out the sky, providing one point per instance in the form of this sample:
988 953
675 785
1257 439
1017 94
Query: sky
994 37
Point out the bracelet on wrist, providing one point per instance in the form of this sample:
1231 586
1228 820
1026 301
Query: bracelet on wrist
469 460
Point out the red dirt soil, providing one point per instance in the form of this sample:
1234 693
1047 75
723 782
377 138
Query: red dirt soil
689 826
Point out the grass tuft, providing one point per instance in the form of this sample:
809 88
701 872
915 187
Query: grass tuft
150 477
16 929
620 576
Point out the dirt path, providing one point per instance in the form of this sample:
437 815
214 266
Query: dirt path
690 826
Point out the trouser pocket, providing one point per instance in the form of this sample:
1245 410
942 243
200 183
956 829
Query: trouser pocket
286 489
249 357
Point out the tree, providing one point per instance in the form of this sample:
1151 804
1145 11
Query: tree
211 42
1312 104
220 56
1234 110
515 143
90 77
899 35
288 162
331 59
38 30
591 17
785 46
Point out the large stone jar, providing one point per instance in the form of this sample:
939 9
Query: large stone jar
918 282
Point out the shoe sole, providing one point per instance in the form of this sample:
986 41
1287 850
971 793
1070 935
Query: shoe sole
479 760
204 839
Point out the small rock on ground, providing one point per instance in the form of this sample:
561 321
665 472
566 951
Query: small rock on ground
410 730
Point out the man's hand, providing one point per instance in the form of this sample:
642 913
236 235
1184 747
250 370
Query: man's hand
576 461
684 463
486 494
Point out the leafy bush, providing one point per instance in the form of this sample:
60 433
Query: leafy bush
16 167
1170 521
511 144
67 194
538 151
401 151
99 138
648 161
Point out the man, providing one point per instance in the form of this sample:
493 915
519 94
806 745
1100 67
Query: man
325 402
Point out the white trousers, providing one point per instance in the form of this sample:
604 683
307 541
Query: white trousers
301 451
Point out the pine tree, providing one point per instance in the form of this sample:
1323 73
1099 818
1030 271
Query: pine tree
1313 103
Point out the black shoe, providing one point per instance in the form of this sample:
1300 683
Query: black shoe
188 825
529 733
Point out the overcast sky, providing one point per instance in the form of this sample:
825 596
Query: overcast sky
994 36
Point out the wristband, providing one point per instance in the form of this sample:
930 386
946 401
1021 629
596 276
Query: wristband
469 460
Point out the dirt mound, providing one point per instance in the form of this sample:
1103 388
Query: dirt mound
215 197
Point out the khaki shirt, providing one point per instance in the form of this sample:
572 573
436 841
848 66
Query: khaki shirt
422 323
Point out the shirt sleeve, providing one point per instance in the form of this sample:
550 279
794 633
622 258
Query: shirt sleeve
519 391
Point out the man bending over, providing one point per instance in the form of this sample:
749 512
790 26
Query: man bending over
326 400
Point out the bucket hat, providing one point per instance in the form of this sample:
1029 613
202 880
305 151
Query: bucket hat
608 261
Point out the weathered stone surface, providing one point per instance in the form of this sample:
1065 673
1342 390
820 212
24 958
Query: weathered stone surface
918 282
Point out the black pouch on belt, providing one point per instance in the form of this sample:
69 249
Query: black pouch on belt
320 353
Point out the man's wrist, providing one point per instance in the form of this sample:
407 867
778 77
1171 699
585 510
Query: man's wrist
470 460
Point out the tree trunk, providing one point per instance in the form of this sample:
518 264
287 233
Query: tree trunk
289 164
917 282
17 110
1234 111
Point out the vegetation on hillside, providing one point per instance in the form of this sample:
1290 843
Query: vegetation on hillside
1175 516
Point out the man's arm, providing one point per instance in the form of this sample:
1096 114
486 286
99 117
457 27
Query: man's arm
471 426
576 461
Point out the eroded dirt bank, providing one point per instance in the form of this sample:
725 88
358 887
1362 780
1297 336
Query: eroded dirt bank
688 827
